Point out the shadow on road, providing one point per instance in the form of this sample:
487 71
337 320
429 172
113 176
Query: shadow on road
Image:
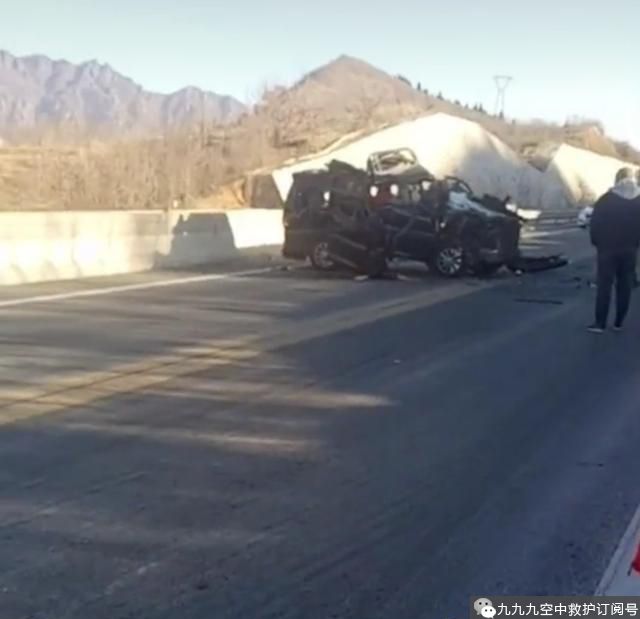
320 478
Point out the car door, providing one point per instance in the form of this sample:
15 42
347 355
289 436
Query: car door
413 228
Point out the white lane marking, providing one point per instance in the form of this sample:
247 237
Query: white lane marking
617 580
95 292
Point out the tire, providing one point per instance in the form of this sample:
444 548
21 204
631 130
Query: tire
320 258
449 261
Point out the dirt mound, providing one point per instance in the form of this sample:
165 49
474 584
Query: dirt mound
446 145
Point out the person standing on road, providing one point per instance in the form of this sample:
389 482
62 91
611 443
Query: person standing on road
615 233
636 279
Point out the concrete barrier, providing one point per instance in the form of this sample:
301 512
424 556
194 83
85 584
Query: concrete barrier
47 246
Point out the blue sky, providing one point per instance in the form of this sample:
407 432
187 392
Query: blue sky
567 57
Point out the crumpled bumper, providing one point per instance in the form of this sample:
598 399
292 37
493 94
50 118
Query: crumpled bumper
535 264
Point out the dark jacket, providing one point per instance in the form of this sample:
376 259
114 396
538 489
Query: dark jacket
615 222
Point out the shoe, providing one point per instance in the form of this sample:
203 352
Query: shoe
595 329
618 328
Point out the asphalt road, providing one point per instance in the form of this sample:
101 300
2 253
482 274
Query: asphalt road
282 445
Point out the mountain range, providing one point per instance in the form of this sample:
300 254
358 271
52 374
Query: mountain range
56 101
36 92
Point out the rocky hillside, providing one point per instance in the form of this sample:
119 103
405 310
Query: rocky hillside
343 96
348 95
37 92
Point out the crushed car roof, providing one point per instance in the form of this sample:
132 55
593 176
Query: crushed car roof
397 164
392 161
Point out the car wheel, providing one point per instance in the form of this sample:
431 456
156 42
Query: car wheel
320 257
449 261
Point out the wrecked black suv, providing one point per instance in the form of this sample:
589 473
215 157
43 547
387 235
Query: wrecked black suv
439 223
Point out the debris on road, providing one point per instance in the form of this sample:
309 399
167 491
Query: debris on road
536 264
541 301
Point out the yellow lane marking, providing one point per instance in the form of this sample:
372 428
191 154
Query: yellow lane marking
87 388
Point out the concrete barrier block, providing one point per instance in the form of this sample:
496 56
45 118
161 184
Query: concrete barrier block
37 247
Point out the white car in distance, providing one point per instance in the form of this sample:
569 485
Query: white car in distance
584 217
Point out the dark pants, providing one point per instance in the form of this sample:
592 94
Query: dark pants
614 267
